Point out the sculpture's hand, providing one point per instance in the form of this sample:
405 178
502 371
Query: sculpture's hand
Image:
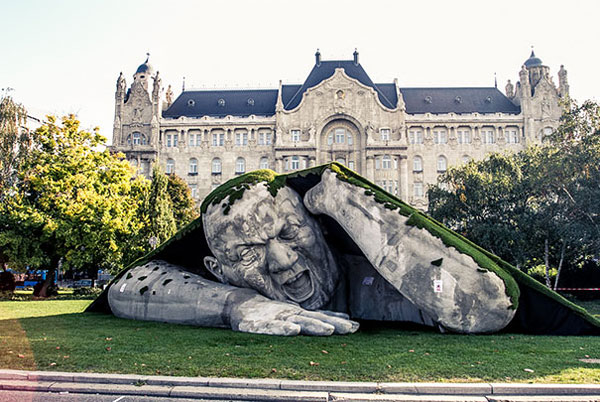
260 315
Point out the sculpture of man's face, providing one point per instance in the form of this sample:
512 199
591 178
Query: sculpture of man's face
273 245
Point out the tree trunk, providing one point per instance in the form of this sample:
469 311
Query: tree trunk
547 263
49 278
560 263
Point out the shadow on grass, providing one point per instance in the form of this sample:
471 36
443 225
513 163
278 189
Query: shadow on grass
104 343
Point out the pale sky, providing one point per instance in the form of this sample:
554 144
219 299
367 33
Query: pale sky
65 56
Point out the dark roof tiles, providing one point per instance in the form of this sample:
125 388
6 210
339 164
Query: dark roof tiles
457 100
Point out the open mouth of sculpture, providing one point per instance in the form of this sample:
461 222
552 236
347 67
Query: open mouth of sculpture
299 287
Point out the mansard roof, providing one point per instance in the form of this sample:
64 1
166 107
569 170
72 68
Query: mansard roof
221 103
325 69
261 102
457 100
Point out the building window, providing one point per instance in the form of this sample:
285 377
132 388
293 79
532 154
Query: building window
170 168
264 138
466 159
417 164
194 190
216 166
341 161
218 139
340 135
169 140
386 162
198 140
214 186
330 139
134 163
295 163
511 135
464 136
193 166
385 134
418 190
241 138
264 163
138 138
487 135
240 165
350 139
415 136
440 136
351 165
442 164
192 140
295 135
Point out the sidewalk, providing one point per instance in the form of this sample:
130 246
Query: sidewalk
289 390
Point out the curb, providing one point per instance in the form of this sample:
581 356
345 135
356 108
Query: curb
290 390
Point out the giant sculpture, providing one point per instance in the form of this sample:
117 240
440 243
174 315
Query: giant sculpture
312 252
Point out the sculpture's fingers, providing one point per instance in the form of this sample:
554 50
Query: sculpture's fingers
271 327
341 325
312 326
334 314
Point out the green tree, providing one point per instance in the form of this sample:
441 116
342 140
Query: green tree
15 142
161 221
184 207
538 205
74 204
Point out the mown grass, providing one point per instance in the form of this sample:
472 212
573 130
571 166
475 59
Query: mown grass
56 335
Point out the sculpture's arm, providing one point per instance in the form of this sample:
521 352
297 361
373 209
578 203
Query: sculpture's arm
158 291
448 285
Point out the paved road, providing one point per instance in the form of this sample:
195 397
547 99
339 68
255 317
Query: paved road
26 396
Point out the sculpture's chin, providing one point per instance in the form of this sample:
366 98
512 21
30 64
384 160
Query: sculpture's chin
299 288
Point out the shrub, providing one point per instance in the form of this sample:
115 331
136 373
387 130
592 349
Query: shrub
7 282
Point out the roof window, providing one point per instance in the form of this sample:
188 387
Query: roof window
458 99
221 102
191 103
250 102
488 99
428 99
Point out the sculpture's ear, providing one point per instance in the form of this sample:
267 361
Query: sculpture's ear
215 268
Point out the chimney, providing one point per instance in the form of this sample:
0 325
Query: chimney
355 57
318 58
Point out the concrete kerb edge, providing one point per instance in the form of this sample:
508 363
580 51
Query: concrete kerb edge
466 389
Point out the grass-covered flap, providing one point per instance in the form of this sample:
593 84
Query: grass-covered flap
187 247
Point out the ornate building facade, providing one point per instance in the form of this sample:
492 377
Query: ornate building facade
400 138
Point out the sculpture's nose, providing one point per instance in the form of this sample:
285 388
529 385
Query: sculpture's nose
280 256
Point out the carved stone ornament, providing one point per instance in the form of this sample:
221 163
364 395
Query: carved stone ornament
263 259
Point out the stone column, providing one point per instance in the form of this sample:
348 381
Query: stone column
403 179
370 174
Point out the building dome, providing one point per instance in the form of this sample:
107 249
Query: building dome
533 61
145 68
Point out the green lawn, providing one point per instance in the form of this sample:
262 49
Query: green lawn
56 335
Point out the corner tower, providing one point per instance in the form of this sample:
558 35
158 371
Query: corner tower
137 113
539 98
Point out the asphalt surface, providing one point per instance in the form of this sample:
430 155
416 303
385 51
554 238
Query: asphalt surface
26 396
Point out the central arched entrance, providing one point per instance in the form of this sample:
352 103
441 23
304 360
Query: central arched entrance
341 141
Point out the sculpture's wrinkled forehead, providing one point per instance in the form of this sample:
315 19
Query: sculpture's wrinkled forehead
254 215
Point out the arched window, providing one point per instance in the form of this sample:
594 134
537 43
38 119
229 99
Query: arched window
216 166
386 162
240 165
264 163
170 168
193 166
442 164
547 132
341 161
417 164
